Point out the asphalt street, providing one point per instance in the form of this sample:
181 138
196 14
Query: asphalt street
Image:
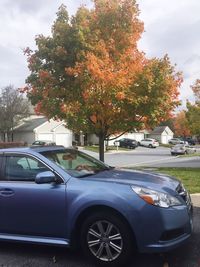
142 156
18 255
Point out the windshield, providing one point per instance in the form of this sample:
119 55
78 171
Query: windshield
76 163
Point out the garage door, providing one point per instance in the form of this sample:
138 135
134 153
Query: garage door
45 136
64 139
164 139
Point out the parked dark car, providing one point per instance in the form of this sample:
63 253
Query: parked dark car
190 141
43 143
127 143
58 196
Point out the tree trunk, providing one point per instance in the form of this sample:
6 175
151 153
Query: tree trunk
5 137
101 147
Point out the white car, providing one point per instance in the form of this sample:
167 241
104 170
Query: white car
175 141
149 142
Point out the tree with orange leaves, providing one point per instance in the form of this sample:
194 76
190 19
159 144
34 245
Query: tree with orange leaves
91 74
181 124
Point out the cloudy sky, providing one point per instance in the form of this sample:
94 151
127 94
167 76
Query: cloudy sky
171 26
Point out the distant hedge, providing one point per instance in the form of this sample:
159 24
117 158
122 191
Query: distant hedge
12 144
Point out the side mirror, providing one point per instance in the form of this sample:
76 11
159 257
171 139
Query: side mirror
45 178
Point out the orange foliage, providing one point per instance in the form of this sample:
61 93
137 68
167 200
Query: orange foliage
43 75
93 118
181 126
120 95
38 108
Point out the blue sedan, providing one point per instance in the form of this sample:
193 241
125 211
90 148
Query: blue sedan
59 196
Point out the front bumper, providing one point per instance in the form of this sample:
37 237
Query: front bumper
178 152
160 229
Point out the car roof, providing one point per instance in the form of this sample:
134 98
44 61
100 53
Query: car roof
47 141
38 149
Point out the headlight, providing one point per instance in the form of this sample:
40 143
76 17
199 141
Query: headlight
156 198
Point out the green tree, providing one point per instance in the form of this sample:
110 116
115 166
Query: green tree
169 123
13 108
91 74
193 112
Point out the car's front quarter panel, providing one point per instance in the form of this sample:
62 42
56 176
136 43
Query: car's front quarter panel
148 223
83 194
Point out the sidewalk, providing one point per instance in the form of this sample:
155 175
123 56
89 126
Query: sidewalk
196 199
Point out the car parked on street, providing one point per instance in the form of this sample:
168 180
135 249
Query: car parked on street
43 143
181 149
127 143
175 141
59 196
190 141
149 142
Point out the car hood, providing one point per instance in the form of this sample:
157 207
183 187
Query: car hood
139 178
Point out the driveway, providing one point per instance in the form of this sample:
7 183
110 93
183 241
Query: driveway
17 255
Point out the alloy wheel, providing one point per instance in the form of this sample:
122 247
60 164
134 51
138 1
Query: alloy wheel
104 240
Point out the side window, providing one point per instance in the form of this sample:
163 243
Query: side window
1 159
1 162
22 168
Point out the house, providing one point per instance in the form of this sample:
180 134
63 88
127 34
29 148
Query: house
40 128
138 136
162 133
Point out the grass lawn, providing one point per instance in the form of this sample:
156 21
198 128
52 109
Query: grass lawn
166 145
191 155
189 176
92 148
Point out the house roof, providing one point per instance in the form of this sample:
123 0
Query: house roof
160 129
30 124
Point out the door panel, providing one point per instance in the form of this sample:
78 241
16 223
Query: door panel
28 208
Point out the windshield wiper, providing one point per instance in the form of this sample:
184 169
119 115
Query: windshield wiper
95 172
86 175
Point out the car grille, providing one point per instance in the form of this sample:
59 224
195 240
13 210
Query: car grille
172 234
184 194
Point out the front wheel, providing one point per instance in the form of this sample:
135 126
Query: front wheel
106 239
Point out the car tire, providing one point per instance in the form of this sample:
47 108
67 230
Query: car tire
150 146
97 244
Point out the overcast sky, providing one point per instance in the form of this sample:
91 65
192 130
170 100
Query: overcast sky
171 26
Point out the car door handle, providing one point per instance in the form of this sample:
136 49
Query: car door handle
6 192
